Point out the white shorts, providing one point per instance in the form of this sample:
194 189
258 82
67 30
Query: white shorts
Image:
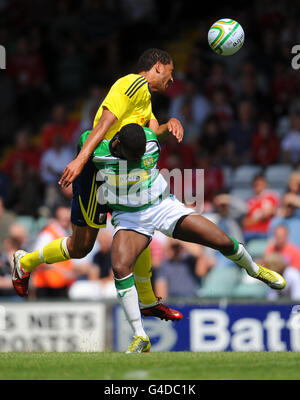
162 217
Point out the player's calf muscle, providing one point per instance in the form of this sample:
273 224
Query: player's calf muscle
80 250
82 241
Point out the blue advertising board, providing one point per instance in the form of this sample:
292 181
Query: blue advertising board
231 327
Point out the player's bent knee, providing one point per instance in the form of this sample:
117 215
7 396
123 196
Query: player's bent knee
121 270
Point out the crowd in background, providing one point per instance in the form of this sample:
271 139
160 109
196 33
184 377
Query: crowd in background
238 112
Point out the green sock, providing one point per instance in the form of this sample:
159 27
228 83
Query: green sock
241 257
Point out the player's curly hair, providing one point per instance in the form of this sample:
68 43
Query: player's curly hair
150 57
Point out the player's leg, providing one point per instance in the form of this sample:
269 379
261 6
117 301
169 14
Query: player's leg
126 247
78 245
86 221
149 303
198 229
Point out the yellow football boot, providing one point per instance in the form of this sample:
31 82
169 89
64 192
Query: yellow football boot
139 345
271 278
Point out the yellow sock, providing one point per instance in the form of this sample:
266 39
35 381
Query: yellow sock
54 252
142 276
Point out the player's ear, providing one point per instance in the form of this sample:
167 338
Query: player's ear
158 67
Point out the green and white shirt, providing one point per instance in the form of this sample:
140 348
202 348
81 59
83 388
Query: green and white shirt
128 186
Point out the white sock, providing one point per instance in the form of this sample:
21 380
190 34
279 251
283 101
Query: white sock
128 298
244 260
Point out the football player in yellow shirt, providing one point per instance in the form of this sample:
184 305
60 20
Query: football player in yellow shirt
128 101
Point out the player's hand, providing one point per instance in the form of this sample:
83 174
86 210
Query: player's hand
175 128
71 172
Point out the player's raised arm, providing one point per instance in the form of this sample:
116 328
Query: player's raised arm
172 127
74 168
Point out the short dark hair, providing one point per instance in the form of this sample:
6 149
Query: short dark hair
133 139
259 176
150 57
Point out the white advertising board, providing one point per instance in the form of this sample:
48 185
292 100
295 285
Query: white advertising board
52 326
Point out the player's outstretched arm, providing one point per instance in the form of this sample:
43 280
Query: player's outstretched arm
172 127
74 168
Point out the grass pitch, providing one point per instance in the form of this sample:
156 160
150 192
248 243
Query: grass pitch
153 366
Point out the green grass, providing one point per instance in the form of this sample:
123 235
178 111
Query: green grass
176 365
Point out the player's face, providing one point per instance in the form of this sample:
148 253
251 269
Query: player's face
166 76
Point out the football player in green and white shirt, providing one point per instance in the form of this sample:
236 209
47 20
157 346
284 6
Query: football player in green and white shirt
140 201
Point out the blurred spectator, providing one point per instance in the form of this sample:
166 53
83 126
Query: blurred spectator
222 108
290 144
178 267
98 282
251 87
4 184
288 215
276 262
103 259
284 84
23 151
213 176
261 208
10 246
65 22
26 67
280 243
240 135
24 194
212 139
176 155
294 183
228 212
70 74
53 162
7 219
20 234
200 105
99 28
157 249
90 106
54 280
262 153
60 124
8 111
218 78
89 109
190 126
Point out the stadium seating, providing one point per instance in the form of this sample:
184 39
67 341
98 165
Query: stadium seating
257 247
243 175
227 175
242 193
278 175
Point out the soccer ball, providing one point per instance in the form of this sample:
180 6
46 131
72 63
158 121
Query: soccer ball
226 36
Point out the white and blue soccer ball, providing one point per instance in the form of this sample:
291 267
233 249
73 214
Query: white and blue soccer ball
226 37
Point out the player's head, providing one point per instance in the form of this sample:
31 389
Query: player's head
130 142
159 67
